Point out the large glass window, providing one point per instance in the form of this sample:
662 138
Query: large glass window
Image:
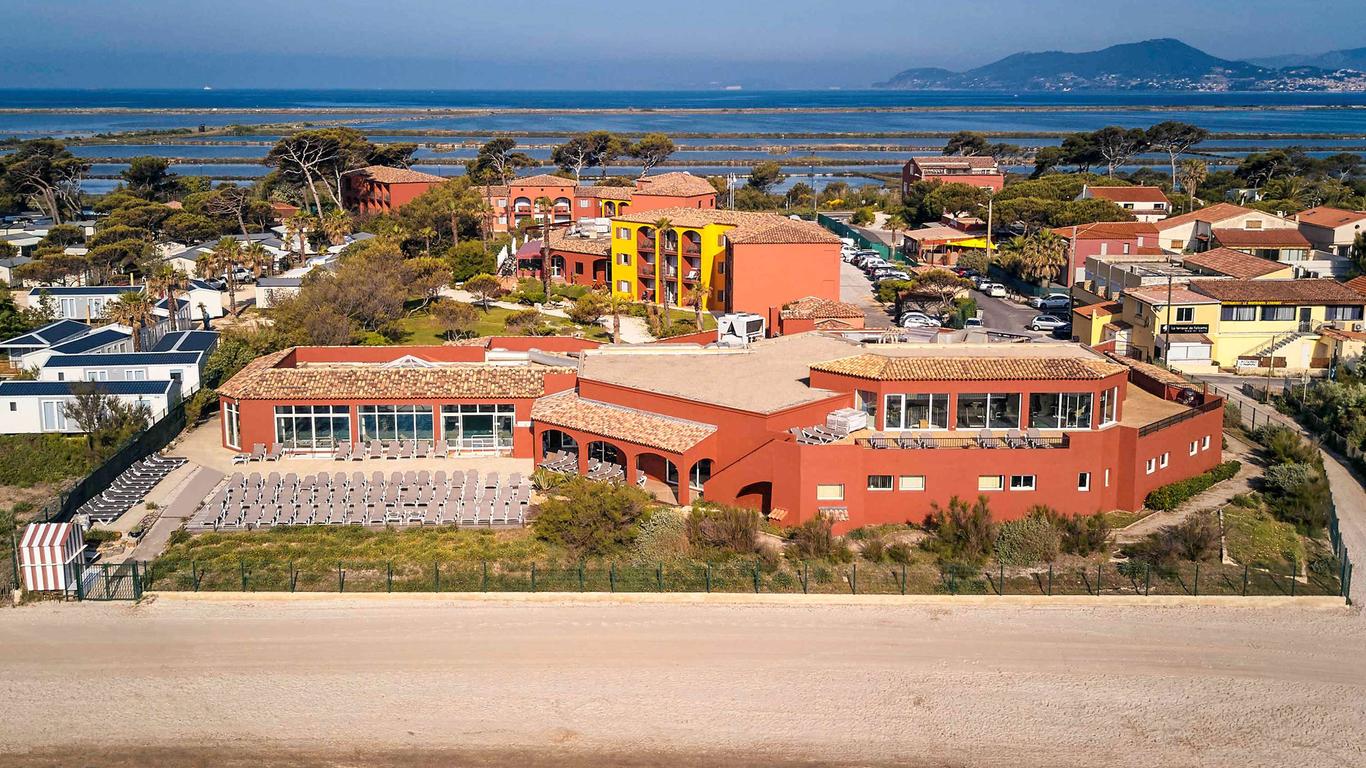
478 426
1343 313
1060 410
1238 313
232 429
395 422
916 411
312 426
54 416
1278 313
990 411
1109 405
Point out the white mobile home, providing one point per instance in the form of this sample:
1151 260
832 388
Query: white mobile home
40 406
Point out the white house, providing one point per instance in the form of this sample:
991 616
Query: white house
1331 229
79 302
1145 203
106 339
181 367
40 406
41 339
1181 233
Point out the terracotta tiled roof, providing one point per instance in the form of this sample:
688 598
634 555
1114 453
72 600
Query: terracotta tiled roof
1156 295
1357 284
884 368
652 430
1154 372
1109 230
1227 261
604 192
749 227
1313 292
675 184
491 190
815 307
386 175
1260 238
1323 216
265 379
1210 213
596 246
1103 308
542 180
1129 194
955 161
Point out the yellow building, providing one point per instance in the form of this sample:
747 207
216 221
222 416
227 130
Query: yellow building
1239 323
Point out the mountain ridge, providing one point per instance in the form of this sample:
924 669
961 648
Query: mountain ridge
1158 64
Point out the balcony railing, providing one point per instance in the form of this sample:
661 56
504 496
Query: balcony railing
1213 404
1003 441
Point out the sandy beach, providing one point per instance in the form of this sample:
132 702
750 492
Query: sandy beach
408 682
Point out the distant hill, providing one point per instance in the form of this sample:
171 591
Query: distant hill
1163 64
1347 58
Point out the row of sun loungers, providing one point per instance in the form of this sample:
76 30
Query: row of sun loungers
602 471
817 435
1014 438
129 488
402 498
259 453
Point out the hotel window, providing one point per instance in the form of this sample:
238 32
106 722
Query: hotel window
312 426
1149 467
478 426
623 286
1185 314
917 411
502 220
1178 244
1204 443
395 422
989 411
623 233
1083 481
502 202
232 426
1109 405
990 482
830 492
1278 313
624 259
583 203
1342 313
879 482
1022 482
1195 447
1242 314
1060 410
911 482
867 402
1165 458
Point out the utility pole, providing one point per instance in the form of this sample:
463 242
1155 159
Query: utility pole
1167 343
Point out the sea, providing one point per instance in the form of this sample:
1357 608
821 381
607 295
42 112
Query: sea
788 126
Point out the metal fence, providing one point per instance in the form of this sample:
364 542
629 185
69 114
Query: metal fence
1098 578
147 442
845 230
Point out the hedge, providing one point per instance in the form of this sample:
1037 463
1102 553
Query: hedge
1172 495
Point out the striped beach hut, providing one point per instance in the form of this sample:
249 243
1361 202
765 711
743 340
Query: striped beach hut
49 556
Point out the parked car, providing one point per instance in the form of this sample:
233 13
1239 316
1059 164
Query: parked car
1063 332
918 320
890 273
1055 302
994 290
972 322
1038 302
870 266
216 283
1045 323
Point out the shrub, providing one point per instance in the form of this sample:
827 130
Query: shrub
663 537
98 536
592 519
568 291
1289 478
1196 538
900 553
523 322
178 536
1172 495
962 533
1080 535
726 529
529 291
1285 446
1027 541
874 550
543 479
1254 537
815 540
1299 494
1233 415
202 402
587 309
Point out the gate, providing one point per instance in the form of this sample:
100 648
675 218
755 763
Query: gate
102 581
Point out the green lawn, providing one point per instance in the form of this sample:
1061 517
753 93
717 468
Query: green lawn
1256 538
422 328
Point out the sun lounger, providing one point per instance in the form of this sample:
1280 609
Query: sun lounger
1036 438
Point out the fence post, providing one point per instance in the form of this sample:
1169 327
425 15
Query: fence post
612 576
1147 578
242 567
1001 585
137 582
1196 585
533 577
1050 579
341 578
709 578
436 576
580 575
1294 571
1100 573
806 576
853 578
903 578
194 574
1245 579
104 571
80 581
389 576
484 580
14 556
659 576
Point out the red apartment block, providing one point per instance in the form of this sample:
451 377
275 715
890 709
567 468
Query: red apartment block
1106 238
943 419
516 204
379 189
972 170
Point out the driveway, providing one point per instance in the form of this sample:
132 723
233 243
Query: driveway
1003 314
856 289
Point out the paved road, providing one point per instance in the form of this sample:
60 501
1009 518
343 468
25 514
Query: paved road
180 509
856 289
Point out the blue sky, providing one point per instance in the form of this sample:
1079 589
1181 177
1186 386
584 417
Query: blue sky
593 44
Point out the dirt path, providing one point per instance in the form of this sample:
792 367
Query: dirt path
416 683
1213 498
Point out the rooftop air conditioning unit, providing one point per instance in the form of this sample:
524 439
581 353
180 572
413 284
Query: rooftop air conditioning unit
1358 326
739 327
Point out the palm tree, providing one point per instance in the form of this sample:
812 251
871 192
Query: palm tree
697 298
1040 257
159 286
296 230
227 256
894 224
614 302
663 225
336 226
546 205
256 258
133 309
426 233
1192 173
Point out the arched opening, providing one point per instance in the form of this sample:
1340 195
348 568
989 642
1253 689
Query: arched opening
604 452
554 441
521 205
609 208
562 208
660 476
756 496
698 477
600 272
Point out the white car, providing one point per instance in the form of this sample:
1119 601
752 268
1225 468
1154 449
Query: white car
1045 323
972 322
918 320
994 290
1038 302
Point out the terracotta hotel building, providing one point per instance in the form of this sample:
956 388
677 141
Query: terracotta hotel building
1023 424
